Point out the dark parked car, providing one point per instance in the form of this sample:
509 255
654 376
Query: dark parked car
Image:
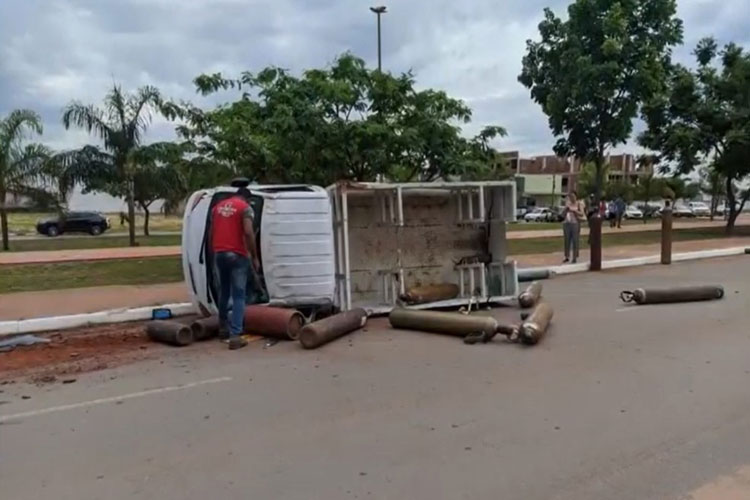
74 222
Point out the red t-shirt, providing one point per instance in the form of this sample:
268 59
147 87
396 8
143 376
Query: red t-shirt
228 232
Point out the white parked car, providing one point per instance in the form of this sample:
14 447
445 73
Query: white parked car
633 212
682 211
538 215
699 209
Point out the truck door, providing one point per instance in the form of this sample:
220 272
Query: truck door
255 292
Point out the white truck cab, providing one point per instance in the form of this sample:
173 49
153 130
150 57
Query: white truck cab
294 231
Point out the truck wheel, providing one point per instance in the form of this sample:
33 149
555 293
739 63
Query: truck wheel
52 231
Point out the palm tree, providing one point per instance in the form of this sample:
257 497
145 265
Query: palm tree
17 162
121 125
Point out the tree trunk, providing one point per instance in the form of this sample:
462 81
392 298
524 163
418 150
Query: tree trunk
131 212
146 216
4 220
732 208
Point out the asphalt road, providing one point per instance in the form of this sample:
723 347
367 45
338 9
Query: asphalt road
618 402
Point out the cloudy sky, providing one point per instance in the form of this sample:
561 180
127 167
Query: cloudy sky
53 51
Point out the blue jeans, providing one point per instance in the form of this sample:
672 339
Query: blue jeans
232 269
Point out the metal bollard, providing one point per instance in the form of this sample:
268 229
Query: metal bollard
170 332
535 327
314 335
666 234
595 236
531 295
673 294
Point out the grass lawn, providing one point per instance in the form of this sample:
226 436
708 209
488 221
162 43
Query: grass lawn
24 223
542 226
548 245
29 277
90 242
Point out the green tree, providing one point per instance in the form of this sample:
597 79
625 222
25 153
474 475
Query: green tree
587 180
650 187
18 161
677 188
591 72
121 124
619 189
712 183
702 117
342 122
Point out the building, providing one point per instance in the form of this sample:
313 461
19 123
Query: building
547 179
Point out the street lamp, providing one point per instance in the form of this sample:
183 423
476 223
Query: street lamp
379 11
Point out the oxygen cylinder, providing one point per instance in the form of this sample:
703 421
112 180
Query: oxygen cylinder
170 332
673 294
535 327
448 323
531 295
314 335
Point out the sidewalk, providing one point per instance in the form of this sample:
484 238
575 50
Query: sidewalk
518 233
49 256
631 251
23 305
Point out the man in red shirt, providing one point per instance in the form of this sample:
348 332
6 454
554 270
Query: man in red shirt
234 249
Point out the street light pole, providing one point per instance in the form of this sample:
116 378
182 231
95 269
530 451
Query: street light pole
379 11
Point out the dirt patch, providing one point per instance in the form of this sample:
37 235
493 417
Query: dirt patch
77 351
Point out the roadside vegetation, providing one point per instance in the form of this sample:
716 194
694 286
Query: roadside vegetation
33 277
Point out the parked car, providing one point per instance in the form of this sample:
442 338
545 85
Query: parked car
682 211
555 214
699 209
521 212
93 223
538 215
633 212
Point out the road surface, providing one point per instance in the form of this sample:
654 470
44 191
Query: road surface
618 402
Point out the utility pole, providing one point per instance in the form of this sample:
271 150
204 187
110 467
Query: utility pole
379 11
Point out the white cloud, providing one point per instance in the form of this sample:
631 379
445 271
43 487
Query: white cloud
54 52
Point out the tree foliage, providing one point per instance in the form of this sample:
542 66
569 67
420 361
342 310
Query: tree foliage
121 125
19 160
702 116
591 72
342 122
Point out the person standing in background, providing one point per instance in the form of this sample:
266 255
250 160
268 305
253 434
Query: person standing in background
573 213
612 213
619 210
234 249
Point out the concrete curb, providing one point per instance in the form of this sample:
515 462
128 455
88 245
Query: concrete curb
122 315
141 313
643 261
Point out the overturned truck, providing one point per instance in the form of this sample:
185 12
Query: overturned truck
364 245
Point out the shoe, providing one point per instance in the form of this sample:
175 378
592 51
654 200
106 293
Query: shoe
237 343
565 261
574 261
223 334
